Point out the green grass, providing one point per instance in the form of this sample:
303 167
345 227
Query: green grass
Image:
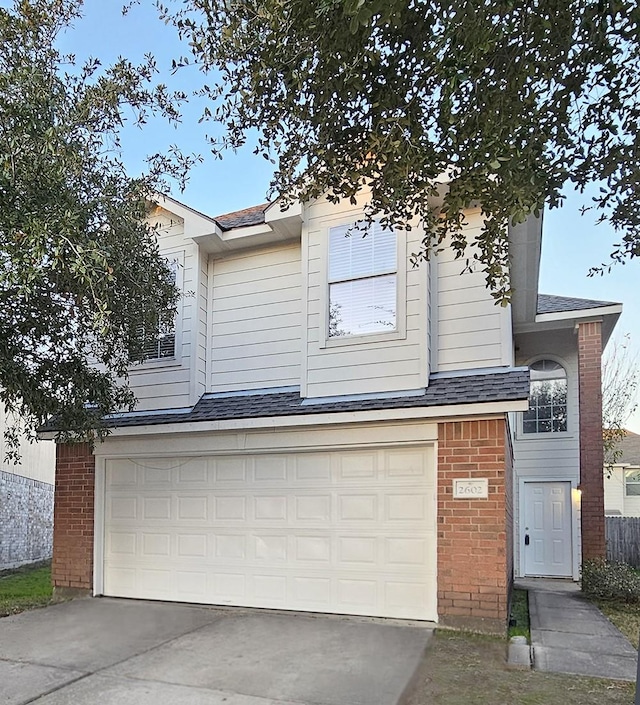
625 616
24 589
519 619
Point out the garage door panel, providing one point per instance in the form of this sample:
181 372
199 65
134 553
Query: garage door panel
229 508
386 595
231 547
349 532
194 508
192 585
230 471
308 469
190 545
312 467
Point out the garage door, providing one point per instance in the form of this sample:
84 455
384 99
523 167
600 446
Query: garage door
350 532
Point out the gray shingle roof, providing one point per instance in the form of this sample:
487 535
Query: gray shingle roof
243 218
630 447
509 385
549 303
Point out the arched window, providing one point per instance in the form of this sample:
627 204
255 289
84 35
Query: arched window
547 399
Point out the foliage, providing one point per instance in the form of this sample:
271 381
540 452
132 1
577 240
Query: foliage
509 102
606 580
620 384
80 272
519 617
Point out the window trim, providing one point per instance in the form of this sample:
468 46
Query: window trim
400 333
635 483
544 435
174 360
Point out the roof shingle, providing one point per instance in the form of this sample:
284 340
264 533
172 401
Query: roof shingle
630 447
509 385
549 303
243 218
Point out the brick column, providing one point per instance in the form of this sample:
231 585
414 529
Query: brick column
473 544
591 448
72 566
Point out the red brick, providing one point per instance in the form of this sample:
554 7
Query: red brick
474 536
72 565
591 448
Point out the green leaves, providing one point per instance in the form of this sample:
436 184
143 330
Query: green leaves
79 268
513 100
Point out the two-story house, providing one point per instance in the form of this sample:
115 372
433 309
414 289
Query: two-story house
331 429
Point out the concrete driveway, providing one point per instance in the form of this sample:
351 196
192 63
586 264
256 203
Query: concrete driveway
126 652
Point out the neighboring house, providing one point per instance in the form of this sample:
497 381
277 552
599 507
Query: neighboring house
622 479
26 503
331 429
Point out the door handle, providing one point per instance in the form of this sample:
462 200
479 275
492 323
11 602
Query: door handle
526 539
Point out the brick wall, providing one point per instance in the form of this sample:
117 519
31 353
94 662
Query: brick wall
26 520
473 551
72 566
591 450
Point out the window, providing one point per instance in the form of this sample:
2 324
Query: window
161 344
158 347
363 268
632 483
547 399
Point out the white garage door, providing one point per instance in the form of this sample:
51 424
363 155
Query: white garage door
350 532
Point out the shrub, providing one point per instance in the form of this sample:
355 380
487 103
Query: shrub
606 580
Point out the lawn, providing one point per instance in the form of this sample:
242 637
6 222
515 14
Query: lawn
519 622
463 669
624 615
25 589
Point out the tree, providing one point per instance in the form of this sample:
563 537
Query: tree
513 100
81 278
620 384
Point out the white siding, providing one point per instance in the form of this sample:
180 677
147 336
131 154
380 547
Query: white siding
472 330
614 494
37 460
553 456
368 365
550 454
199 362
256 320
166 384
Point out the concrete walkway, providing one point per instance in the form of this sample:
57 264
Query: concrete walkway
570 635
126 652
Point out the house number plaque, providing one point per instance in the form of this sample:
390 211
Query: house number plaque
471 489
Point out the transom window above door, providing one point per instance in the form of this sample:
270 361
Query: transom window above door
363 282
547 399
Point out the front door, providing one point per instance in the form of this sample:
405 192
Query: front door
546 538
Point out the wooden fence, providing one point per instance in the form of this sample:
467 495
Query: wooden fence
623 539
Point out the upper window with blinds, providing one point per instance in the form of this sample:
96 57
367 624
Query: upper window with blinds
160 344
363 268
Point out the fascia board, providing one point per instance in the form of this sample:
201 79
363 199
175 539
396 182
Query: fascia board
594 313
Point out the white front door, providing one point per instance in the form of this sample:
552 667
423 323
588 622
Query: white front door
546 529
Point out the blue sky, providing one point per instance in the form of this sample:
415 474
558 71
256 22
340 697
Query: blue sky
572 242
